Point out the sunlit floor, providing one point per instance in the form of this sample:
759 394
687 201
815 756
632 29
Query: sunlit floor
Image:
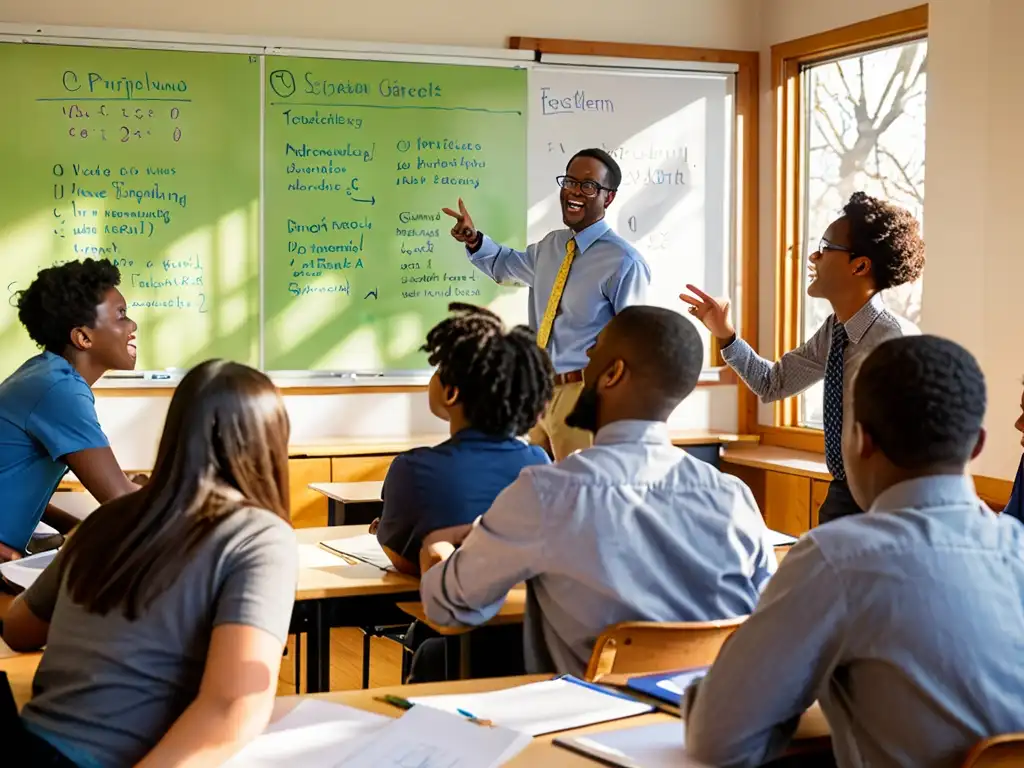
346 662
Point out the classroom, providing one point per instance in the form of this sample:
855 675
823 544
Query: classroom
600 554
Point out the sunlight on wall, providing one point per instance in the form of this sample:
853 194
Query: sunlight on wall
233 304
405 334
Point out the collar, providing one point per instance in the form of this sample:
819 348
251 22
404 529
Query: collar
859 324
61 363
925 492
591 235
632 431
473 435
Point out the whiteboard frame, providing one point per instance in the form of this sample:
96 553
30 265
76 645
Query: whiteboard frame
265 45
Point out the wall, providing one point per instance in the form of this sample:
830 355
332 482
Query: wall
973 193
134 423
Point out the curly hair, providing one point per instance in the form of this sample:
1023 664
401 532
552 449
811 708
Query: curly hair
922 400
889 236
504 379
63 298
614 174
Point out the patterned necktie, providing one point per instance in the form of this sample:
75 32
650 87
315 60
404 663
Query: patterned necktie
544 334
834 401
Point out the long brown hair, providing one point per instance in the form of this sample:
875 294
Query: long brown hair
224 448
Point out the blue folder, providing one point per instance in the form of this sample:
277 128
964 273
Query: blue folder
658 685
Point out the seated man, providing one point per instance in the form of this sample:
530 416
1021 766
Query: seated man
631 529
1016 506
491 386
905 624
47 410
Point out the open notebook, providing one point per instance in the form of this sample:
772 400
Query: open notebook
365 548
24 572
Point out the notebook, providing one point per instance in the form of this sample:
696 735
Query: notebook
666 686
644 746
544 707
24 572
365 548
779 539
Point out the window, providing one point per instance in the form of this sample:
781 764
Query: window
850 116
864 118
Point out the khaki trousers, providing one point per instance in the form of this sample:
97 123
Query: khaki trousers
552 434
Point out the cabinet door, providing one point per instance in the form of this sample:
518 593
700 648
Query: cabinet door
787 503
357 469
309 508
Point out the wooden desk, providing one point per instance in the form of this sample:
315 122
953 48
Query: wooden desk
775 459
341 595
542 752
352 503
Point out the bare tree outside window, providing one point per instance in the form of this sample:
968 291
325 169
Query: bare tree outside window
865 126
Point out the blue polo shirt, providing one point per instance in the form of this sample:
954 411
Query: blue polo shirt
1016 506
450 484
46 412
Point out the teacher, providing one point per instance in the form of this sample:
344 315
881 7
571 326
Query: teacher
579 279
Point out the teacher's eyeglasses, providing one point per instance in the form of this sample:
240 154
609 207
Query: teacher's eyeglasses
586 188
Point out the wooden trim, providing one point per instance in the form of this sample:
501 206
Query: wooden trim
787 61
797 438
747 137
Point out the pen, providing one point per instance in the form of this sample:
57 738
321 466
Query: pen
395 701
473 718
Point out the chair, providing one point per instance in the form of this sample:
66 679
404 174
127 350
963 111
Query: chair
641 647
997 752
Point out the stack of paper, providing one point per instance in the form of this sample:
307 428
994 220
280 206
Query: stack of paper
646 746
365 548
321 735
25 571
544 707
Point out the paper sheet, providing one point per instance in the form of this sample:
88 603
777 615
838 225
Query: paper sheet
778 538
24 572
538 708
365 548
429 738
316 734
645 746
312 556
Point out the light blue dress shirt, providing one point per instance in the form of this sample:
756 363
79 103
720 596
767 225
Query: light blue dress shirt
905 623
631 529
46 412
607 275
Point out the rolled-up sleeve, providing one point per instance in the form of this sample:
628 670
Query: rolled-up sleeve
744 712
505 547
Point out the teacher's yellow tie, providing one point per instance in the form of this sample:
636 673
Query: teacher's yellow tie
544 334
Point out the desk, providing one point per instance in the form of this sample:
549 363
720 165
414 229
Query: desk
351 503
341 595
813 729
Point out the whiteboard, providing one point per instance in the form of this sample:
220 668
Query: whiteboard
672 134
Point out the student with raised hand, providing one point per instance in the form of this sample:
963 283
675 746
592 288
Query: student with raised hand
579 278
1016 506
630 529
906 623
48 418
165 614
873 246
491 386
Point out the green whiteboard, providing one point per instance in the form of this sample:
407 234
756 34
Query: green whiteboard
149 158
359 158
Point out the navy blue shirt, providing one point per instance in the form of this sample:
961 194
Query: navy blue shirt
449 484
1016 506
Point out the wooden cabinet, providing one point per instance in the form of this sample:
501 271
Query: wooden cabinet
787 505
309 508
357 469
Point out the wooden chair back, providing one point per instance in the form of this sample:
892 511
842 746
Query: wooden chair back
997 752
646 647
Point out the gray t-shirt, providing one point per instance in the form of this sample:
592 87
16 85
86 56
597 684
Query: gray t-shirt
107 689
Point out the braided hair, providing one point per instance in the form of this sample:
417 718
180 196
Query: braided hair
504 379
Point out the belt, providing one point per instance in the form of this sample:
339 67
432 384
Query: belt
571 377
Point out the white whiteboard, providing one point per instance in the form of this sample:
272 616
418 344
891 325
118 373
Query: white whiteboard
672 134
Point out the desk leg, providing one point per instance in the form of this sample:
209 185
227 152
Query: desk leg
335 512
318 654
367 636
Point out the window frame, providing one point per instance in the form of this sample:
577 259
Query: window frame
787 63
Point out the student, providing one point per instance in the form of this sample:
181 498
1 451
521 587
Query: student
872 247
579 278
904 623
630 529
491 385
166 613
1016 506
48 418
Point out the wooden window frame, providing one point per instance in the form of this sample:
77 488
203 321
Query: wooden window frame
787 63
